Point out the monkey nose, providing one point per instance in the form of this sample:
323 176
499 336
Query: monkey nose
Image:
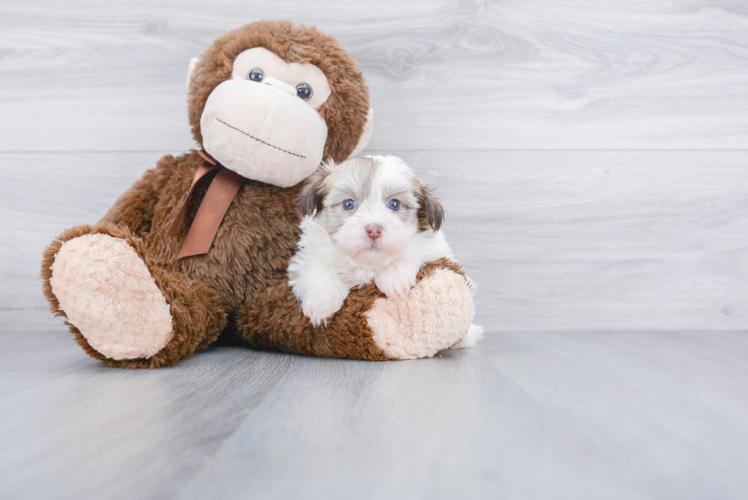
280 85
374 231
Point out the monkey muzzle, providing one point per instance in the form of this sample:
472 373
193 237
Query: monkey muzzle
262 132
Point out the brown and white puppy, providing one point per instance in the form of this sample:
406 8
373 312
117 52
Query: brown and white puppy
366 219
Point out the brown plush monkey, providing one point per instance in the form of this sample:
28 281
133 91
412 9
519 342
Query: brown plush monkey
194 250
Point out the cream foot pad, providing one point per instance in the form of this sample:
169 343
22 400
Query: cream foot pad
107 292
434 316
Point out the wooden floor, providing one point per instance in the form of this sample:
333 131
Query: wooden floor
544 415
592 158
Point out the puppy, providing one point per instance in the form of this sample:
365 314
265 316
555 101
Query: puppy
365 219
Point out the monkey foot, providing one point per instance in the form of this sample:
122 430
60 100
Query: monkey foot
434 316
107 292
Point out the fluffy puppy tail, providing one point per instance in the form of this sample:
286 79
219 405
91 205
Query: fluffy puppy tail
471 338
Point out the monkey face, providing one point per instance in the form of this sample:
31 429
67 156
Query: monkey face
272 100
262 123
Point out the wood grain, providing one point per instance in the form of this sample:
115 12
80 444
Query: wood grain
593 162
557 241
110 75
603 415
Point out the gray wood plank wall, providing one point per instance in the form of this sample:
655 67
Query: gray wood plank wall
592 156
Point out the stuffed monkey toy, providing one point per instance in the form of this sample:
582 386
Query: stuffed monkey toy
199 246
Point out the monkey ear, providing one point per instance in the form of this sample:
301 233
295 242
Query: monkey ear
368 129
430 211
191 70
313 193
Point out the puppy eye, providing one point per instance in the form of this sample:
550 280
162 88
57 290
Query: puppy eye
349 205
304 91
394 205
256 75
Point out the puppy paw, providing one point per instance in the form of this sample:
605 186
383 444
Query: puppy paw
397 279
322 307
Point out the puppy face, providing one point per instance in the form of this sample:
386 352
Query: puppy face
370 206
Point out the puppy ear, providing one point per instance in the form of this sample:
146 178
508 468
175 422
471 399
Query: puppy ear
430 211
313 193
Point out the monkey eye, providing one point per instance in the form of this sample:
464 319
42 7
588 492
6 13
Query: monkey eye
256 75
349 205
394 205
304 91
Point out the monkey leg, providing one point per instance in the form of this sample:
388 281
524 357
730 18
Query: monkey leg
435 315
123 309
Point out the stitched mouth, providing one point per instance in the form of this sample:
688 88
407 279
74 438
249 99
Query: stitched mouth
257 138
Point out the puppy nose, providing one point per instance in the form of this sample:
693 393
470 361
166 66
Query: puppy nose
374 231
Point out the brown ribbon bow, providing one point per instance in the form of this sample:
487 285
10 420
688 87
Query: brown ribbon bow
221 192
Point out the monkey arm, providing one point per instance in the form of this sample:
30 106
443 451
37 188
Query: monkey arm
434 315
135 207
273 319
